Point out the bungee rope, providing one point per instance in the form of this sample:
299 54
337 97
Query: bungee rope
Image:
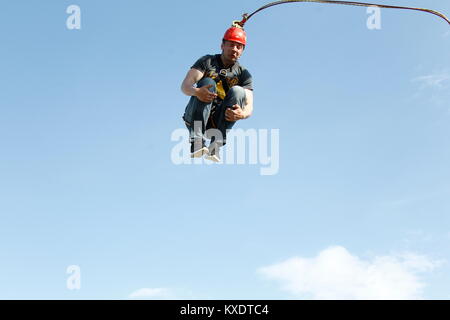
246 17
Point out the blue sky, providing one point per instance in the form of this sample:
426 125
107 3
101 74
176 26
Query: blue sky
86 176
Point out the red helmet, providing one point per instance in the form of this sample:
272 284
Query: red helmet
235 34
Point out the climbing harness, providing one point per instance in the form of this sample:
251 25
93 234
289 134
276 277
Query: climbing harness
246 17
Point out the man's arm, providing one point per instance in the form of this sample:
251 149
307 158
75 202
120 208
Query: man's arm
203 93
192 77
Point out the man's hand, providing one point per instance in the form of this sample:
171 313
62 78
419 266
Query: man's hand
234 113
203 94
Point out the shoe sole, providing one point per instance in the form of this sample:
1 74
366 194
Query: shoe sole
213 158
199 153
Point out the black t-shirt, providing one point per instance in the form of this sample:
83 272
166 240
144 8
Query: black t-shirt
211 66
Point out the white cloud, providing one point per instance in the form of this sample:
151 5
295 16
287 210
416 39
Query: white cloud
435 86
438 80
337 274
151 293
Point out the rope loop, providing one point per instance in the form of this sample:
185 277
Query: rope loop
246 16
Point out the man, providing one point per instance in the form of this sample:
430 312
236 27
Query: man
223 95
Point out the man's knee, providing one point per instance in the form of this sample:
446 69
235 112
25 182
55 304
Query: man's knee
206 82
237 92
236 95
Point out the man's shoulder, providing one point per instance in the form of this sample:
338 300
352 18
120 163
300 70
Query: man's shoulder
207 57
245 78
203 63
242 69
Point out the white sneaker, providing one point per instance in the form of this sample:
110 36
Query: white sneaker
213 153
200 152
214 157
